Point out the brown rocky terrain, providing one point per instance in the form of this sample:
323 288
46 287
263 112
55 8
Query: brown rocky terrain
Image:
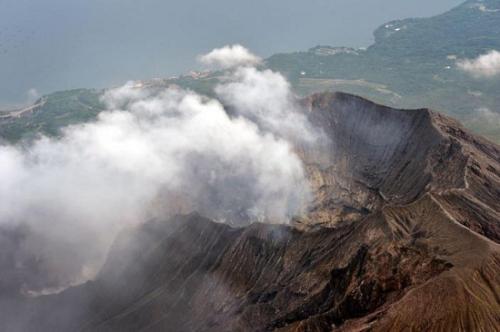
403 234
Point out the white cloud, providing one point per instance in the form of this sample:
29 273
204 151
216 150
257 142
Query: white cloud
266 98
157 152
484 117
229 57
486 65
33 94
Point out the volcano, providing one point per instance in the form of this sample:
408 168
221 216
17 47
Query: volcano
402 234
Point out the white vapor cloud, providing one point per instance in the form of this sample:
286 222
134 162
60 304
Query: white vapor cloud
266 98
229 57
484 117
33 94
486 65
157 152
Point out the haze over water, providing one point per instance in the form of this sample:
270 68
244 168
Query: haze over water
49 45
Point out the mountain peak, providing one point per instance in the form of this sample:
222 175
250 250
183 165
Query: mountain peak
405 209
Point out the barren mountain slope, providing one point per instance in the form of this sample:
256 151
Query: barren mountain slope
403 235
381 156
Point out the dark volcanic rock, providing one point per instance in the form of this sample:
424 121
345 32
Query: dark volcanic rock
190 274
403 235
382 156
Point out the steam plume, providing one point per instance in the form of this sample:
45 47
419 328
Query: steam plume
156 152
229 57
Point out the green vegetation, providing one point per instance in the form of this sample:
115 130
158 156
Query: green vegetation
412 64
56 111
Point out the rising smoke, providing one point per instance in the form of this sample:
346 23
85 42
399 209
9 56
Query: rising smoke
155 152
